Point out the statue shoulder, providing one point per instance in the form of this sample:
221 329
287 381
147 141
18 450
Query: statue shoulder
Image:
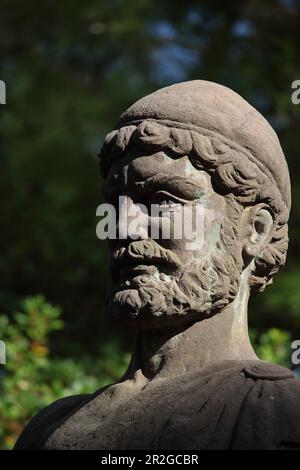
47 420
238 405
268 371
273 403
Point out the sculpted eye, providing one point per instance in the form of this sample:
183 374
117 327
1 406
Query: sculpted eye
165 198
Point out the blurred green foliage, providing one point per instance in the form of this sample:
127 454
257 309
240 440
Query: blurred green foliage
273 345
71 68
32 378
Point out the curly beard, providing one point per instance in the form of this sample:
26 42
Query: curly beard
166 293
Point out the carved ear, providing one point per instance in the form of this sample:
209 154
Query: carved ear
258 226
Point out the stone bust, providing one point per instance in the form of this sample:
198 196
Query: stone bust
194 381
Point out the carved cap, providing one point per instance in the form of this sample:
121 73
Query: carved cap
204 105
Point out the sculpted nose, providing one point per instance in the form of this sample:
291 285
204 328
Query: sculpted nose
133 219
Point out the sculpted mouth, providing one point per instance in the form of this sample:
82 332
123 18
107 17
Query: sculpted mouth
138 269
129 270
142 257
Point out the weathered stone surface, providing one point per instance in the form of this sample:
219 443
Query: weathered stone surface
218 407
194 381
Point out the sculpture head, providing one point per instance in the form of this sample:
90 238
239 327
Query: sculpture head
188 143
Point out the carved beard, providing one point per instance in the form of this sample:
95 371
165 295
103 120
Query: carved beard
163 295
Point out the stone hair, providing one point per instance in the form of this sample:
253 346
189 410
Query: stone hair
234 173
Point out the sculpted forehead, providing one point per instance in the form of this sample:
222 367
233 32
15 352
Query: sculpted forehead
149 165
134 168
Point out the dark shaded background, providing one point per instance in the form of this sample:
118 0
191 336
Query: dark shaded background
71 68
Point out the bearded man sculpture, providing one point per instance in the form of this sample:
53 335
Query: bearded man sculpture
194 381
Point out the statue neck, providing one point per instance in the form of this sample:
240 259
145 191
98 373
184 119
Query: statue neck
167 353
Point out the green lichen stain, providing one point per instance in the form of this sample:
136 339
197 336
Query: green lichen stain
189 169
